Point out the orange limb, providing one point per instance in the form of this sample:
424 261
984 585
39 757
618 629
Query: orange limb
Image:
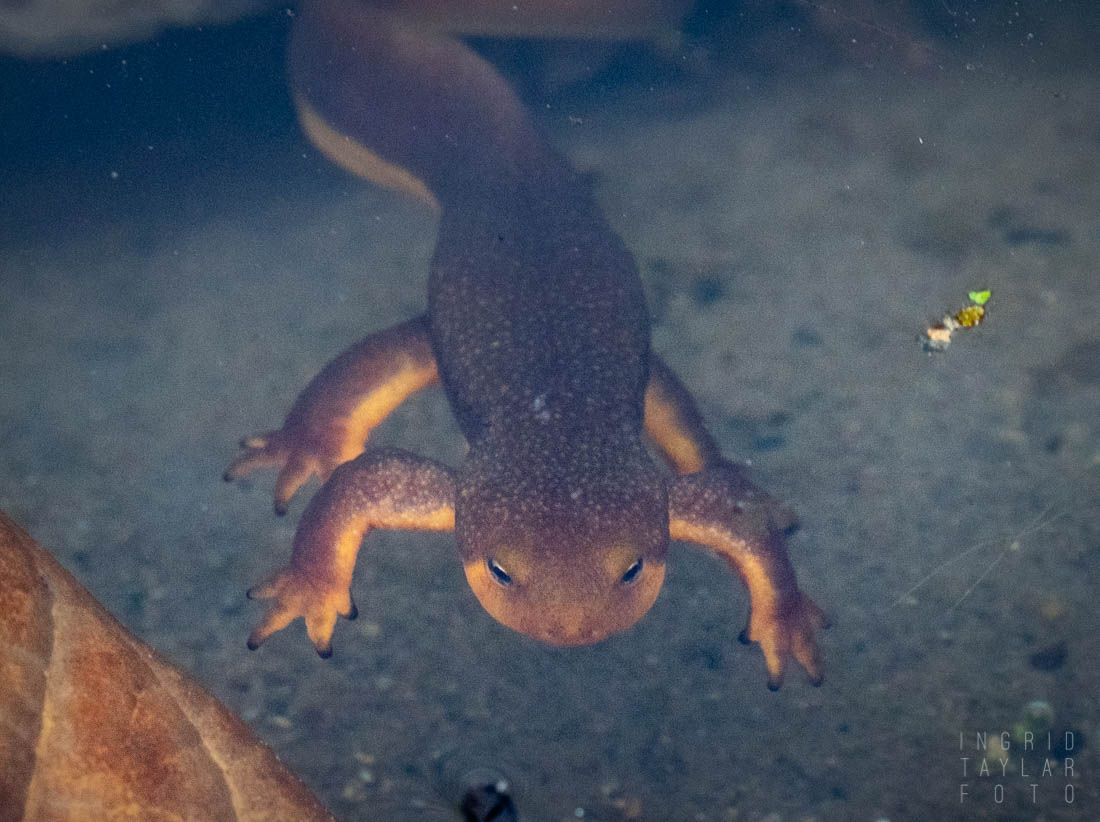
716 508
676 428
381 488
674 424
333 417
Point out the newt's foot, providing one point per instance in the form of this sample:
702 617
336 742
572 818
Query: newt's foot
296 595
788 630
297 456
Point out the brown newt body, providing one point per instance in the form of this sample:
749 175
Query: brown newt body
538 331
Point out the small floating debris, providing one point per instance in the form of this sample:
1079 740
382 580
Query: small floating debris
938 335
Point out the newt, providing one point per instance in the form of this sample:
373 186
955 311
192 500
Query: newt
537 329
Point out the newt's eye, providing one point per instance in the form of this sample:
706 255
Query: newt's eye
499 574
633 571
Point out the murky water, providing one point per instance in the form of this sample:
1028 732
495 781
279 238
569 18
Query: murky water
805 192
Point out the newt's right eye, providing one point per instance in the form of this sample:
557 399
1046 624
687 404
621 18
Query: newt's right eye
633 571
499 574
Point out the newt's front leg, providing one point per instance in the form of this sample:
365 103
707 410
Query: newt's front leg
332 418
718 509
382 488
674 424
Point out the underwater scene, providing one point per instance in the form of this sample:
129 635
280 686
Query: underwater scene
648 311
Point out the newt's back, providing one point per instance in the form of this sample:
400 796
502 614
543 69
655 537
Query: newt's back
537 316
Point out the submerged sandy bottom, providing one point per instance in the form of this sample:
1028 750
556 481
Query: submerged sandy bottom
795 236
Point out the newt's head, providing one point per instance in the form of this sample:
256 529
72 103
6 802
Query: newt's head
568 558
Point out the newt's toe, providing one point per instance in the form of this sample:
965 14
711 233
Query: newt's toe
294 474
274 620
786 632
294 595
259 452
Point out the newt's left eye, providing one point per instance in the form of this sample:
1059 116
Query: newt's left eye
633 571
499 574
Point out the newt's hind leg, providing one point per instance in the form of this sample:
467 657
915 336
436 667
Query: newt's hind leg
332 418
715 508
674 424
382 488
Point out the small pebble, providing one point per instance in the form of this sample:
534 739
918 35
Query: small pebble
1050 658
353 791
1052 609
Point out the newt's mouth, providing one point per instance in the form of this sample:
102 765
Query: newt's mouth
563 637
